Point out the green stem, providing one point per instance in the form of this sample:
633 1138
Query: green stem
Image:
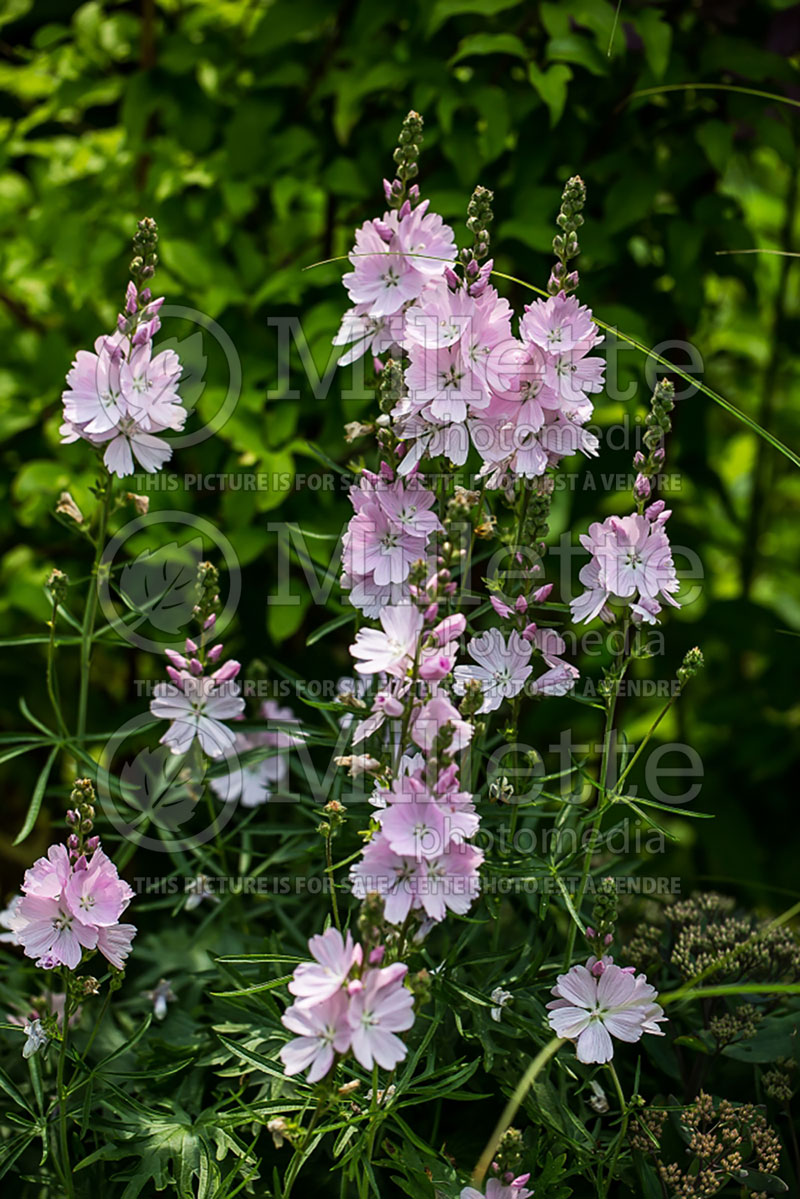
296 1163
90 612
329 872
52 680
510 1110
608 738
622 1130
62 1095
373 1126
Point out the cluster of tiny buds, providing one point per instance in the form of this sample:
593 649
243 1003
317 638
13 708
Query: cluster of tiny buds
693 661
334 816
145 259
405 157
80 818
208 602
600 934
565 243
427 589
658 423
510 1156
479 217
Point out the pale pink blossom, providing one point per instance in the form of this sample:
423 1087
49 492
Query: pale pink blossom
322 1031
392 647
379 1009
196 709
432 718
589 1009
495 1189
631 563
502 667
334 957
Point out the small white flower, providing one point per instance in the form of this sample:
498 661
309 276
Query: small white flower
500 999
36 1038
161 995
197 890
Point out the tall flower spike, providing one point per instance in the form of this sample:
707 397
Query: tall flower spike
658 424
405 157
145 259
479 217
565 244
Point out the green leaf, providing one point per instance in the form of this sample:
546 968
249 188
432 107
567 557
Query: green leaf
489 43
657 37
552 87
443 10
38 795
329 627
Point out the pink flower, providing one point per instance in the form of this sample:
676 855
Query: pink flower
432 718
380 547
449 881
495 1189
502 667
115 943
559 323
387 273
450 629
48 876
334 957
590 1009
51 933
322 1031
631 563
68 907
123 398
391 648
95 893
378 1010
196 707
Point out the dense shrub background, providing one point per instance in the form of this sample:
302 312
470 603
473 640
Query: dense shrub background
257 135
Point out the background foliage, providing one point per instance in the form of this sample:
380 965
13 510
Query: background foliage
256 134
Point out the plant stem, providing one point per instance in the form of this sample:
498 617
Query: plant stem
90 612
329 872
510 1110
52 681
608 740
373 1124
62 1095
622 1130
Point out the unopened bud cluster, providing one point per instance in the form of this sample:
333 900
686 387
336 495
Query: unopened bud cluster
658 423
145 259
208 601
565 243
80 816
692 662
405 158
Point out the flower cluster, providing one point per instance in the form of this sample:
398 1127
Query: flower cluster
72 901
600 1000
196 703
389 532
344 1004
121 396
503 666
631 564
419 859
